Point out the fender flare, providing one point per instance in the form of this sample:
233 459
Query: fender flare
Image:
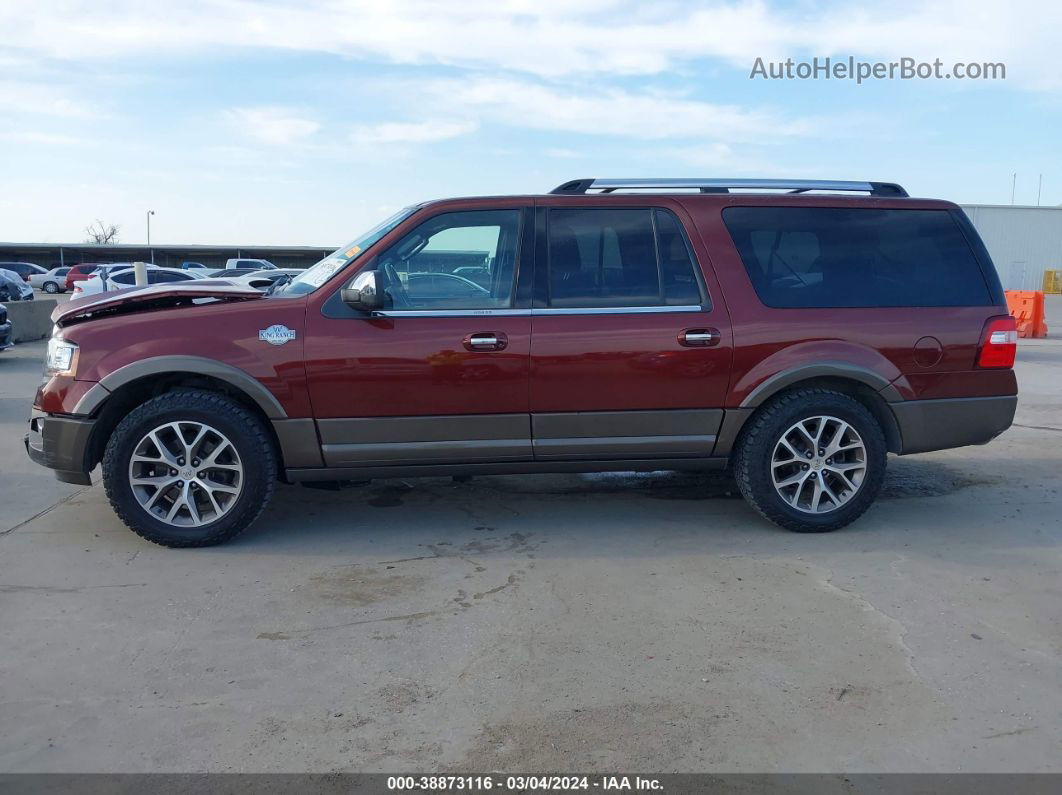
779 381
193 365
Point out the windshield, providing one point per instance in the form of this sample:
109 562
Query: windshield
316 275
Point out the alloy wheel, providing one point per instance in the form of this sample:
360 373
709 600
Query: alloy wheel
818 464
186 473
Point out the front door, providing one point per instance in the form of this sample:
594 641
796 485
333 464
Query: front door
630 356
441 374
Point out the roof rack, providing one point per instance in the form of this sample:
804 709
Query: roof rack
582 186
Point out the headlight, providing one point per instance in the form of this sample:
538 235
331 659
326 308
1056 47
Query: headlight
61 357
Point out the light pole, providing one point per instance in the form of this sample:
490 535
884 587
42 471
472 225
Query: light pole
149 214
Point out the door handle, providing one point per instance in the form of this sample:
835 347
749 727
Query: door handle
485 341
699 337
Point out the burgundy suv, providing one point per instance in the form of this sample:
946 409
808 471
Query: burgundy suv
795 336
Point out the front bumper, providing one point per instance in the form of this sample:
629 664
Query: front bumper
927 425
62 444
6 335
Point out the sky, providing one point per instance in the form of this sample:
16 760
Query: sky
304 122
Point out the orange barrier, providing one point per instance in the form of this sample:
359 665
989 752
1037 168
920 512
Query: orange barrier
1027 307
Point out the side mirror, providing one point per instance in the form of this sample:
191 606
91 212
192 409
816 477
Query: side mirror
365 293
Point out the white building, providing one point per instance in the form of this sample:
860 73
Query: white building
1023 241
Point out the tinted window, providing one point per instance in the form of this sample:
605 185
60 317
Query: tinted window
677 272
21 268
463 260
831 257
166 276
124 277
618 258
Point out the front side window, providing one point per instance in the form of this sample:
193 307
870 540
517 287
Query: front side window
461 260
799 257
619 258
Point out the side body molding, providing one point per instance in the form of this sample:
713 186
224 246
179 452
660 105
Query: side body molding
193 365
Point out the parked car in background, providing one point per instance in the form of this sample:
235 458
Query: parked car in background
52 282
265 278
257 264
6 332
228 273
13 288
193 266
23 269
125 276
80 272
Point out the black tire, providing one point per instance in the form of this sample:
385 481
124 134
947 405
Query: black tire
242 428
51 288
755 448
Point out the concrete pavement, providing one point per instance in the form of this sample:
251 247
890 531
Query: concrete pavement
545 623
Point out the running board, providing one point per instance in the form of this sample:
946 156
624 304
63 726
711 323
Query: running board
297 475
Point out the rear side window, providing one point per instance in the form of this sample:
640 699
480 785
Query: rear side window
619 258
860 257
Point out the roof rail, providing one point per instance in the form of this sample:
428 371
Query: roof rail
582 186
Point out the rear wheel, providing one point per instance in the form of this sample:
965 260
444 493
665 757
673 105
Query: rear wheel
811 460
189 469
51 288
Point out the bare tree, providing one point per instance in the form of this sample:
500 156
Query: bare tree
100 232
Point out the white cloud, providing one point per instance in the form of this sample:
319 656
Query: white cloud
725 160
275 126
608 112
553 37
42 99
38 137
417 132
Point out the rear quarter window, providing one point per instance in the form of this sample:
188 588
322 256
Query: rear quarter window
825 257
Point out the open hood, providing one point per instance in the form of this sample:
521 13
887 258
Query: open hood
152 296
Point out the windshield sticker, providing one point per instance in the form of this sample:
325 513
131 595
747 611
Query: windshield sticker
323 271
352 251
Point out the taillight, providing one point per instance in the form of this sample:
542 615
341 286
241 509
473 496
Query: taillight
999 342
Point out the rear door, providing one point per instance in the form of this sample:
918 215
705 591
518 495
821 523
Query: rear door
630 354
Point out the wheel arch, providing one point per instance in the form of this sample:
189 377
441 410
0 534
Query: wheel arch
832 371
109 405
861 389
166 367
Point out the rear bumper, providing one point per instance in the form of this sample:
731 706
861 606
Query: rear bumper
927 425
61 444
6 335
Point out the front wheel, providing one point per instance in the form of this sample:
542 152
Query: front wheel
51 288
811 460
189 469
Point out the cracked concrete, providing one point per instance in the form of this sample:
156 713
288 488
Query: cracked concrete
547 623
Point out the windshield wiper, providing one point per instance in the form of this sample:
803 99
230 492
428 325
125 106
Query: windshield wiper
284 279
